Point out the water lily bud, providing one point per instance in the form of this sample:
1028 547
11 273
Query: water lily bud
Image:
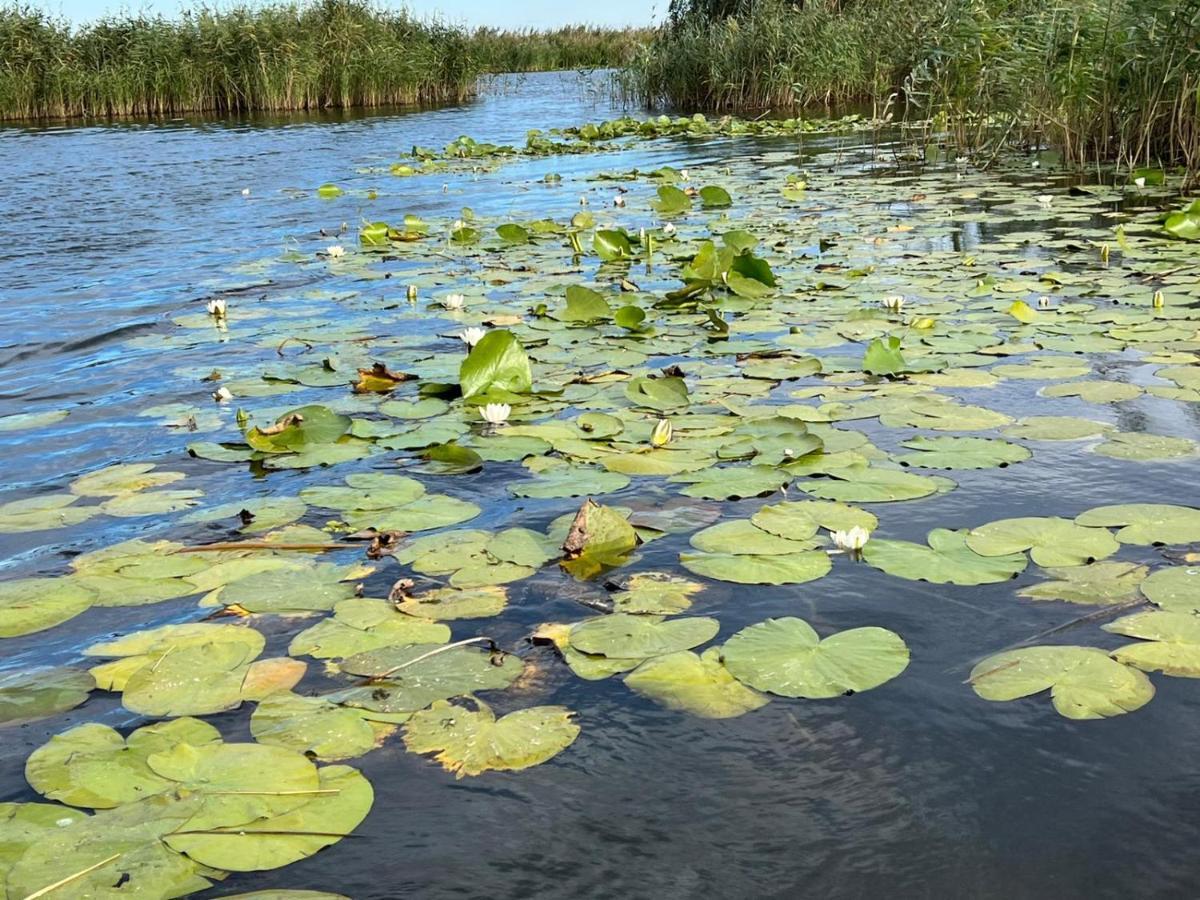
1037 164
243 418
1159 301
1043 302
472 336
496 413
454 301
583 201
662 434
668 229
445 188
1104 253
245 192
1044 199
924 323
216 308
412 293
684 174
222 395
619 201
894 302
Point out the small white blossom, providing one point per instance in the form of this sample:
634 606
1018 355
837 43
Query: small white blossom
333 251
583 201
894 302
472 336
216 308
668 229
1044 199
1037 164
245 192
619 201
684 174
1140 182
1044 302
454 301
222 395
496 413
853 540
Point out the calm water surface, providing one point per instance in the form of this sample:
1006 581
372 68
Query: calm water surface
918 789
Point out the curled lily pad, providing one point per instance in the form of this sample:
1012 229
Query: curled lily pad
471 742
1175 588
1051 541
1097 584
1084 683
37 693
697 684
947 560
1146 523
786 657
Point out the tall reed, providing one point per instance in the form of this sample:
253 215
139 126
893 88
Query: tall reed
572 47
1104 80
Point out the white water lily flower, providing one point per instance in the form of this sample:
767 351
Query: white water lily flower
894 302
472 336
496 413
662 433
1044 199
222 395
583 201
454 301
618 201
412 293
216 308
684 174
1037 164
1044 302
333 251
1140 182
245 192
668 229
853 540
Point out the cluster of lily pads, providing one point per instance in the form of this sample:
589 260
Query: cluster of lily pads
746 355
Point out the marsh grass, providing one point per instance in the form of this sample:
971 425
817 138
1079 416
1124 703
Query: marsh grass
277 57
1102 80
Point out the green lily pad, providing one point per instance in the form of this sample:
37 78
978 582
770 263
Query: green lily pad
359 625
947 560
961 453
624 636
868 484
800 521
733 483
793 568
1084 683
43 513
312 726
1056 428
1146 523
453 603
1051 541
471 742
1173 642
1174 588
1140 447
1098 584
786 657
696 684
29 605
655 593
742 537
37 693
126 478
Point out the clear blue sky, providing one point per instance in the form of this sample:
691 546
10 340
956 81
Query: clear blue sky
513 14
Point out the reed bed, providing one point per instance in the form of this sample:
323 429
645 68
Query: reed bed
1102 80
573 47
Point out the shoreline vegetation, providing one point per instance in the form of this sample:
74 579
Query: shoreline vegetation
1100 80
306 56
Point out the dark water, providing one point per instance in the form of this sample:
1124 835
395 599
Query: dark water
918 789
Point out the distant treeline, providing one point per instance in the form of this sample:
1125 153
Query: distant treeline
1102 79
282 56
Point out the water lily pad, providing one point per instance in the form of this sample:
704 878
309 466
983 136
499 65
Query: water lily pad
24 824
29 605
1139 447
1098 584
570 481
1084 683
793 568
92 766
1051 541
453 603
869 484
1056 428
742 537
37 693
786 657
1094 391
1175 588
800 521
947 560
312 726
255 514
696 684
1146 523
360 625
43 513
655 593
301 587
151 503
961 453
624 636
733 483
1173 642
410 678
127 478
471 742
